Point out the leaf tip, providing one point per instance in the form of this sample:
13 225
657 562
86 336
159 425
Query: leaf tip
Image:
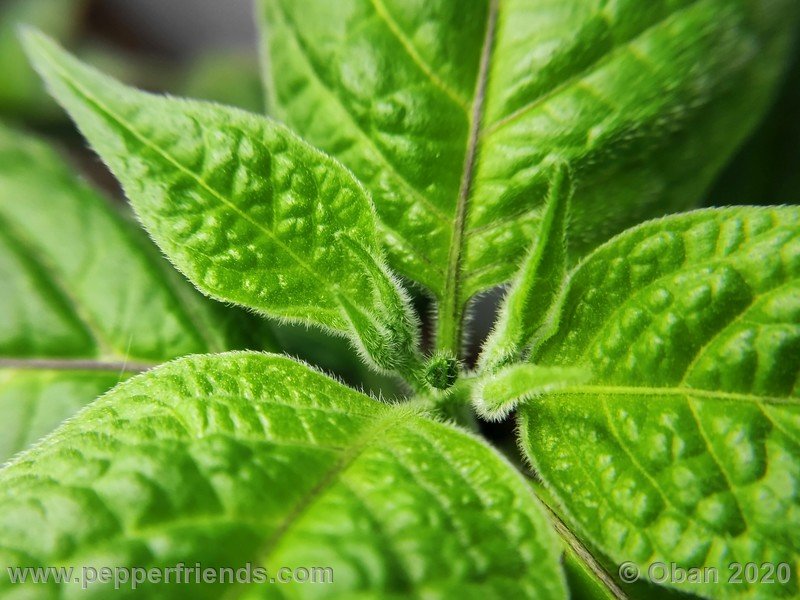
562 176
36 44
43 53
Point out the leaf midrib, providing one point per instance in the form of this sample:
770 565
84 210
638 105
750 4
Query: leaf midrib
595 65
374 432
544 97
451 294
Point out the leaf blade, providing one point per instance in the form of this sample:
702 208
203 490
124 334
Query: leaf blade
583 101
379 151
572 65
308 494
496 395
524 310
34 401
691 327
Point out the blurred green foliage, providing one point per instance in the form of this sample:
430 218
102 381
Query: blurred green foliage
22 97
766 170
231 78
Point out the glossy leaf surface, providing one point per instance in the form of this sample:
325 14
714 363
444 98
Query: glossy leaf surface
453 112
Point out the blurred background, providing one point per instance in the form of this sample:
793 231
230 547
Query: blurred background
203 46
208 49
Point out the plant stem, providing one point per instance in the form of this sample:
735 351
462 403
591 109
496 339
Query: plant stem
448 327
456 406
452 406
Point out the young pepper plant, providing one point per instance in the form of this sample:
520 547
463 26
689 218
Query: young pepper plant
654 382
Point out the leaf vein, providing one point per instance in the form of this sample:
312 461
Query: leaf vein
408 46
451 301
577 77
379 154
329 479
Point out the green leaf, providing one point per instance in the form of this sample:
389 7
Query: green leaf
683 446
36 397
85 299
496 395
452 113
526 305
248 457
587 579
589 574
245 209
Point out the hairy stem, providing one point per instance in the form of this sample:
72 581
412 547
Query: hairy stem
453 405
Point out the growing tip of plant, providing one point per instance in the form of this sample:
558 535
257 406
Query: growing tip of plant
441 370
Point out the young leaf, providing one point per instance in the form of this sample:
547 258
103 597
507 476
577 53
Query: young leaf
452 112
538 282
85 299
248 457
246 210
683 445
498 394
